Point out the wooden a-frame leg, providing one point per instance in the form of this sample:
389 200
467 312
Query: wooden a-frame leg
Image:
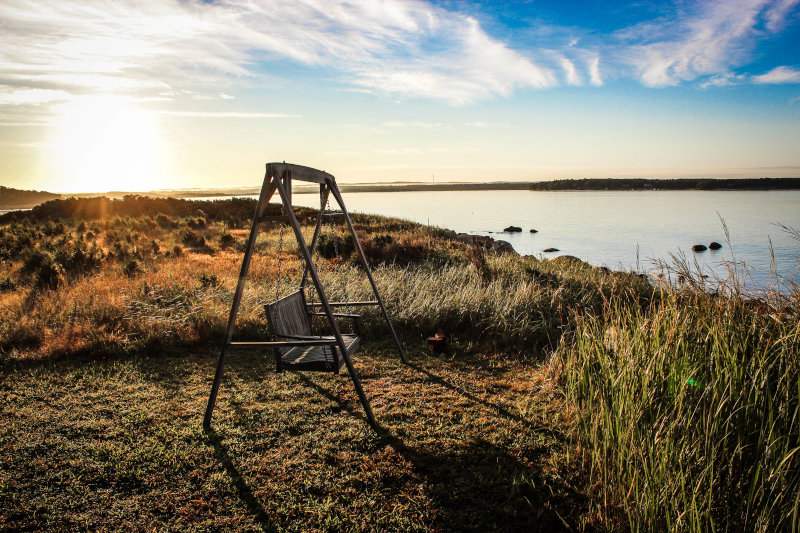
267 190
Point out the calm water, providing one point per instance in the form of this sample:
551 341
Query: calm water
611 228
618 229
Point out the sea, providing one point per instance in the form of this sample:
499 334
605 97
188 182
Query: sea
646 231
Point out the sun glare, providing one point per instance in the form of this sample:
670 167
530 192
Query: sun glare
103 144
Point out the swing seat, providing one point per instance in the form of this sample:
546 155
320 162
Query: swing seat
289 321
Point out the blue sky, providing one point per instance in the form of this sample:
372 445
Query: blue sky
141 95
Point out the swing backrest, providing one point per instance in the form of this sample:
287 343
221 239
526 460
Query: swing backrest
289 316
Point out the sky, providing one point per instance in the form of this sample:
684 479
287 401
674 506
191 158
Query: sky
141 95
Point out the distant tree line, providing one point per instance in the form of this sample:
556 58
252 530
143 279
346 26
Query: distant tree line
235 212
703 184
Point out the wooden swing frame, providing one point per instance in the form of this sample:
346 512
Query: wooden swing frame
279 177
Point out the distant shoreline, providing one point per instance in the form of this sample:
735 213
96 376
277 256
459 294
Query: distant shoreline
12 199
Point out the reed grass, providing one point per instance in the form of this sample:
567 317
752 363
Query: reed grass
689 410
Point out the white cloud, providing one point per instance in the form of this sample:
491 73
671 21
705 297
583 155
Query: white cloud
414 124
55 49
776 14
724 80
709 40
405 48
32 96
593 65
226 114
570 72
779 75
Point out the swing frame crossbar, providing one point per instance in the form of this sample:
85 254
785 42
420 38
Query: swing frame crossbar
278 178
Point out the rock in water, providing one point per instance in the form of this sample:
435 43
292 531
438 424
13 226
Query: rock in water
503 247
699 248
714 246
513 229
548 250
566 259
534 231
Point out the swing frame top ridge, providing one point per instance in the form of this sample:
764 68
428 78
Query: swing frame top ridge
297 172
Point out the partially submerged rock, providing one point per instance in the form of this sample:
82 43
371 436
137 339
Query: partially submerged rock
502 247
513 229
566 259
487 243
548 250
534 231
714 246
699 248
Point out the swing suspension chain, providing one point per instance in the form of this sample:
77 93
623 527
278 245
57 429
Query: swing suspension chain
314 248
339 267
280 254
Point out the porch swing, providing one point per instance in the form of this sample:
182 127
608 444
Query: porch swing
289 318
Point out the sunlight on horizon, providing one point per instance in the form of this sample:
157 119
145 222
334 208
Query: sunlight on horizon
103 144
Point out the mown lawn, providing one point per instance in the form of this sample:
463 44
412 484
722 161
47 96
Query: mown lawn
469 442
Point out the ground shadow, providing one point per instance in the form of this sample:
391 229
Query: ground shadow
242 488
484 486
500 410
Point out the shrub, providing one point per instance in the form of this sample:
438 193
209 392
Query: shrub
327 246
191 238
226 240
165 221
7 284
208 280
132 268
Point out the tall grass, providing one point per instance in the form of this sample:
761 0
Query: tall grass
689 411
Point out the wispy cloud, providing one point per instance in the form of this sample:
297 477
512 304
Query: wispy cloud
53 50
593 66
724 80
397 47
702 40
779 75
226 114
570 72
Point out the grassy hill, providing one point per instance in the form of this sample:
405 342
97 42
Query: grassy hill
572 397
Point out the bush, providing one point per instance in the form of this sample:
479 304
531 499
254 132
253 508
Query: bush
191 238
226 240
208 280
165 221
132 268
7 284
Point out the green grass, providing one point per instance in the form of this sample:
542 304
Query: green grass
468 443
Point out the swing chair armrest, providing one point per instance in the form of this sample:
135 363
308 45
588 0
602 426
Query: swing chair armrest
343 304
311 341
338 315
303 337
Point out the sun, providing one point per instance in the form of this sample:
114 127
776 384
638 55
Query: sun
106 144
